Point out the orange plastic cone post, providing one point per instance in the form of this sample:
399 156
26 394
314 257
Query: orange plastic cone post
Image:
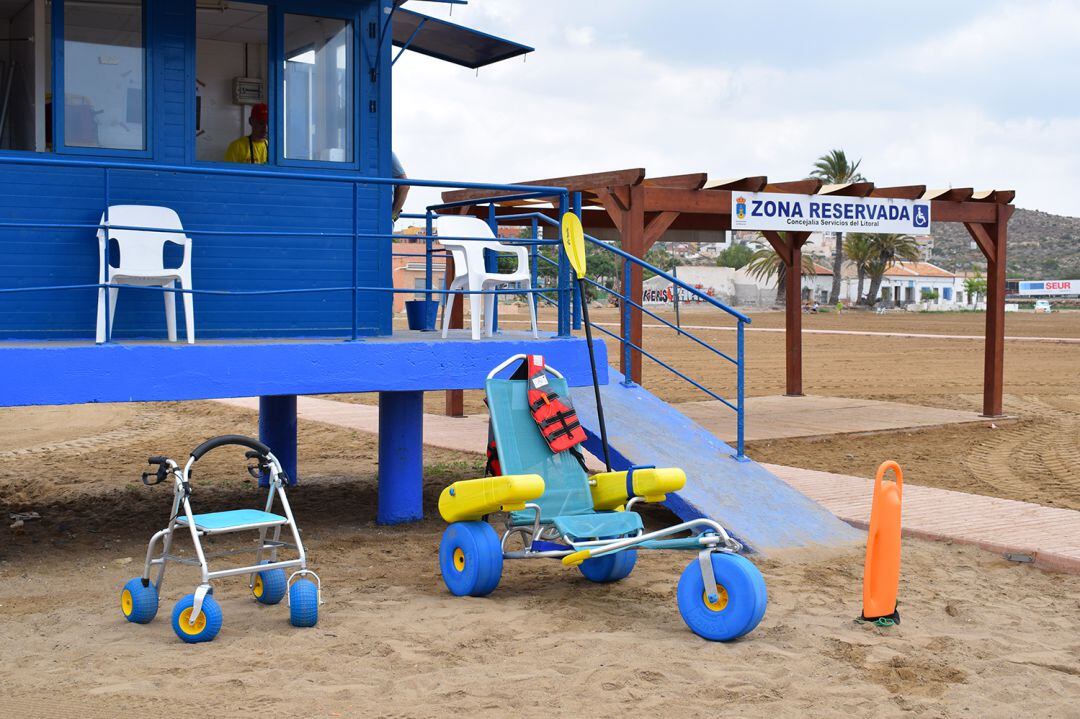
881 573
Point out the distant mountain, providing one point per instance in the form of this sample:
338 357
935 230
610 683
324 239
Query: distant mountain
1041 246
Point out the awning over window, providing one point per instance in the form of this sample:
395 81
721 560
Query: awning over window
453 43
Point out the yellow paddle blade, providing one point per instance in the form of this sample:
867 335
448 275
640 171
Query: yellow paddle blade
573 239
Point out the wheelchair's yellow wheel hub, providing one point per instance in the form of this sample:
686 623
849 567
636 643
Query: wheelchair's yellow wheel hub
257 588
185 622
127 604
721 599
459 560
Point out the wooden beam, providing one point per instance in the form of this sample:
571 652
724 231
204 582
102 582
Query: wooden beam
1003 197
848 189
994 361
982 238
900 192
746 184
950 211
779 244
613 208
692 181
573 183
951 194
662 199
808 186
657 227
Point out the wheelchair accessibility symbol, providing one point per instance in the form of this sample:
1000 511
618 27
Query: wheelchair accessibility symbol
921 217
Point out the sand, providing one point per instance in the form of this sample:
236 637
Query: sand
980 637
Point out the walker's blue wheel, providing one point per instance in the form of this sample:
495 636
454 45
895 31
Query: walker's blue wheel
609 567
206 626
270 585
740 604
138 603
470 558
303 603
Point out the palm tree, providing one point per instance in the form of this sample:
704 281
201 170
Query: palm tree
888 250
765 264
834 169
860 251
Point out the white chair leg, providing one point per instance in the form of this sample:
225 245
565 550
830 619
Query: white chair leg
476 304
189 312
532 308
170 311
489 313
99 335
448 309
114 293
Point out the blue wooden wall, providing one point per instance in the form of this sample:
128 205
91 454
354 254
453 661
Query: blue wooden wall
40 257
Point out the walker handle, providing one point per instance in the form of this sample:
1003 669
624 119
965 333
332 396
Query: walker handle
226 439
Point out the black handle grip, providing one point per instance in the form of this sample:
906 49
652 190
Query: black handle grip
226 439
158 459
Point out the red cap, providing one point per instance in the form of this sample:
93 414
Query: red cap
260 113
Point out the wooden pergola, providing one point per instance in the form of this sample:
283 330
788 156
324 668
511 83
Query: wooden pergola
642 209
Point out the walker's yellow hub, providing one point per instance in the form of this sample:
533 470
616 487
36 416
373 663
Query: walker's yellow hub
185 622
257 588
127 603
459 560
721 599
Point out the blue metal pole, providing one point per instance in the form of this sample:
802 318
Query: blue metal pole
534 250
564 287
577 299
741 394
429 224
491 264
401 459
107 261
627 380
277 430
356 261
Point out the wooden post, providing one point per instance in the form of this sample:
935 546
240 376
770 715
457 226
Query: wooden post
455 398
633 241
994 361
789 247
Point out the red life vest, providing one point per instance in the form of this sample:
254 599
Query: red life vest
554 416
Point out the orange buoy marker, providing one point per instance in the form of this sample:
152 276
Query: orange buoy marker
881 573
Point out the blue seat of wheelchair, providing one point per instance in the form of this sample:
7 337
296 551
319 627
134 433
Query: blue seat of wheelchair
599 525
234 518
566 502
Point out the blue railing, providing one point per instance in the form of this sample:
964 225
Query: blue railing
108 167
568 301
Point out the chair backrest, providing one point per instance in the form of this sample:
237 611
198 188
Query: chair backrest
471 251
142 250
522 450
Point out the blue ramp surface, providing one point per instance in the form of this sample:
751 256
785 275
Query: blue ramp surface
761 510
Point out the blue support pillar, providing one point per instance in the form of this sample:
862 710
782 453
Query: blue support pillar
277 430
401 457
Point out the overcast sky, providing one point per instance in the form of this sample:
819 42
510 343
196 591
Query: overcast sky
957 93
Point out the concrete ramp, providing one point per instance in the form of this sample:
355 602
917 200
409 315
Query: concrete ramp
761 510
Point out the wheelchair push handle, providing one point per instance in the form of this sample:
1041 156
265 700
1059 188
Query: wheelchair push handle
160 474
261 450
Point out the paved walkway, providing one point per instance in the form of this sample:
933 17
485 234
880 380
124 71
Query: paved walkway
776 417
1050 537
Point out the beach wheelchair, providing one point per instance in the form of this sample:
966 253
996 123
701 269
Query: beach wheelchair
552 508
197 617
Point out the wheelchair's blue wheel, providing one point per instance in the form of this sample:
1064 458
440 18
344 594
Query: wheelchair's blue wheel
470 558
207 624
303 603
270 585
609 567
138 603
741 598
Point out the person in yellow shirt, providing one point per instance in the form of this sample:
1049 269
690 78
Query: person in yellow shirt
253 148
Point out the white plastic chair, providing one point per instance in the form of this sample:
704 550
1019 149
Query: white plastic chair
142 262
470 272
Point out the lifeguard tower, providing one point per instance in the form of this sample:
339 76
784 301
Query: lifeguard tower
111 103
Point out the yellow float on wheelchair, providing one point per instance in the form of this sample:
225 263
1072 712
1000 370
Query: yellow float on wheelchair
609 489
471 499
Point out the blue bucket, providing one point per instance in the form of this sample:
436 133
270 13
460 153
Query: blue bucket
421 314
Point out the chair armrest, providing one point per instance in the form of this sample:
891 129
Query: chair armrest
611 490
470 499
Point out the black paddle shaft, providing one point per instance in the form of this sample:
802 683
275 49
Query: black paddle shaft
595 378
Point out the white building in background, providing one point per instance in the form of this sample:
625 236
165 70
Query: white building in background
725 284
